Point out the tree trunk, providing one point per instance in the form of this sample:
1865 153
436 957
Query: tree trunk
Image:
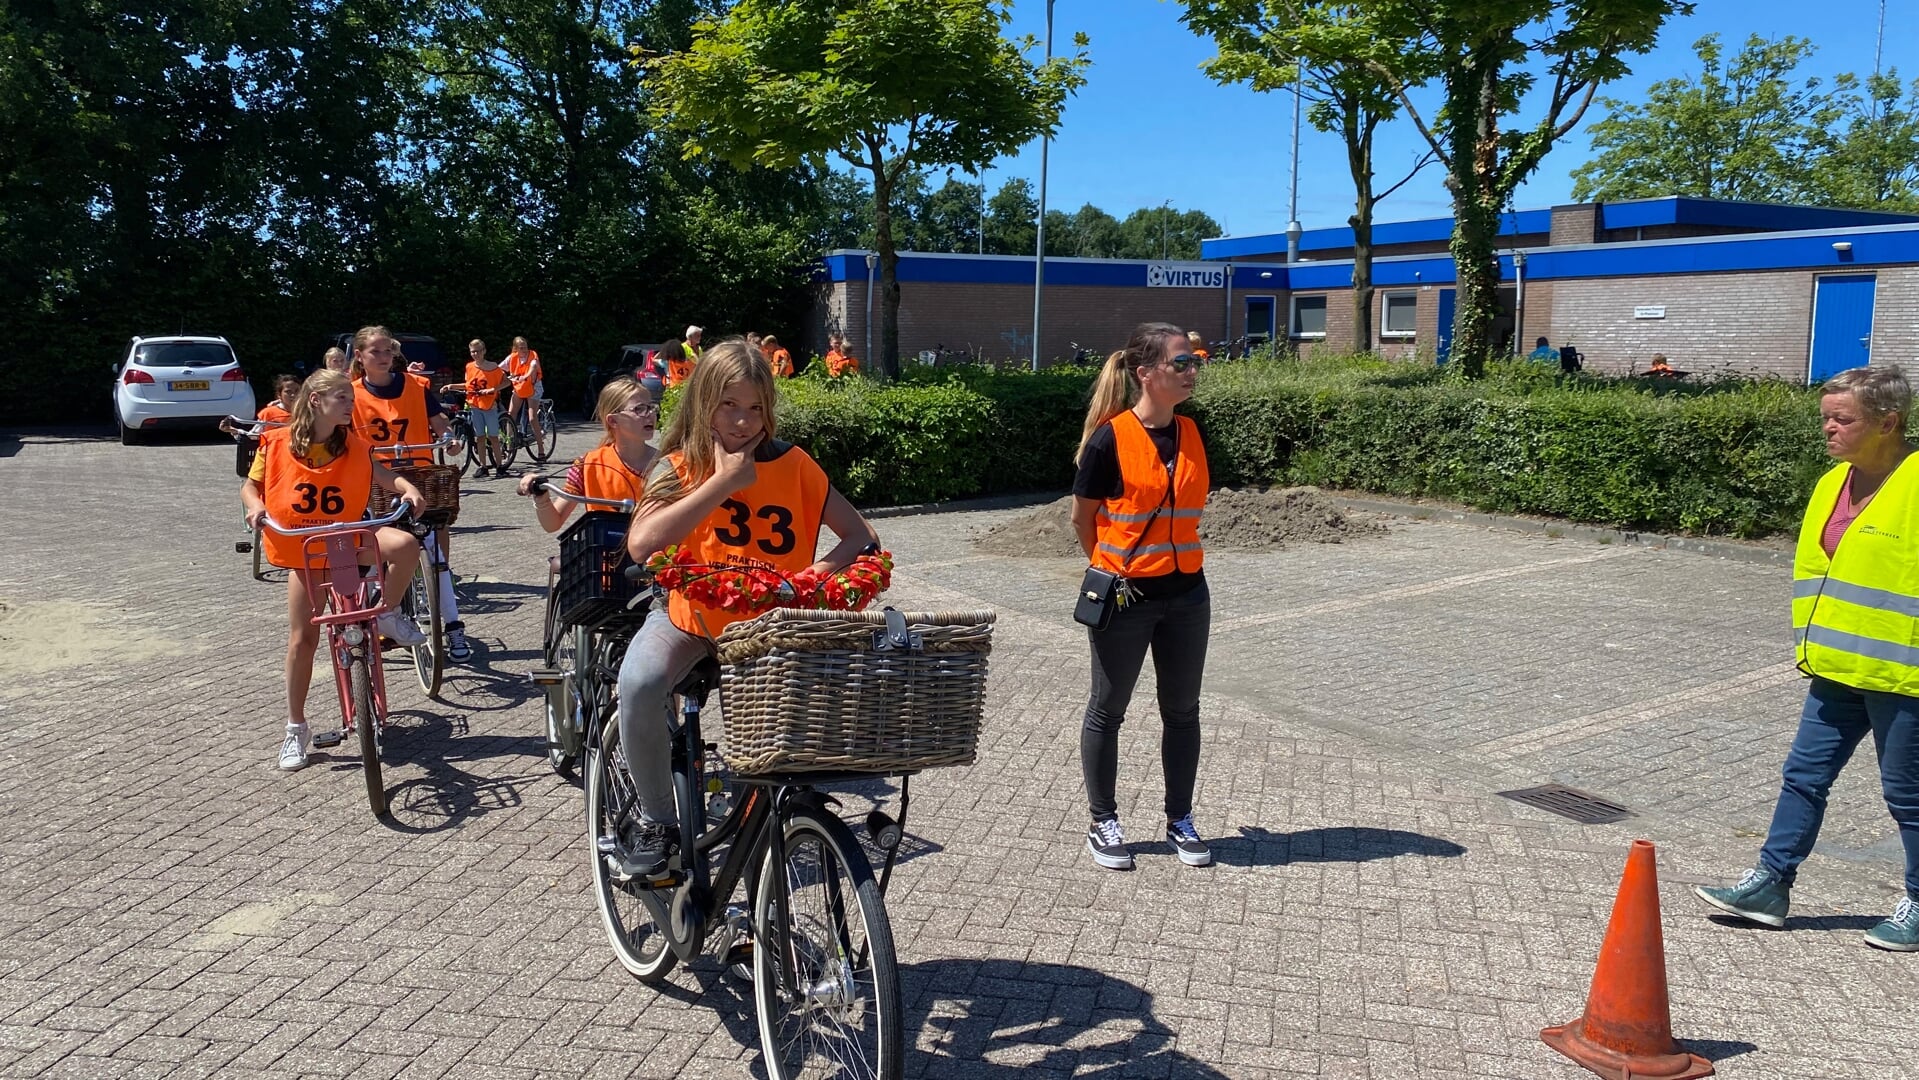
1359 158
1473 160
889 337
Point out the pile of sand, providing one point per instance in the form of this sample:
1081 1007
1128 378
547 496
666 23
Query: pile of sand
1239 519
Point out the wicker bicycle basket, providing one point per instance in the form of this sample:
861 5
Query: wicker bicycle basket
439 485
833 691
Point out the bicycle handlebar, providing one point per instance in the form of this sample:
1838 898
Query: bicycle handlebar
396 449
254 428
624 506
400 511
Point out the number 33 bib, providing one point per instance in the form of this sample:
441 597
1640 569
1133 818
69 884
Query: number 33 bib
774 523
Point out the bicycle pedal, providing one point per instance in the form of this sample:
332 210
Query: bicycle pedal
328 739
740 953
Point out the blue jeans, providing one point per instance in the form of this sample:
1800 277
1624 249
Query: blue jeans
1836 718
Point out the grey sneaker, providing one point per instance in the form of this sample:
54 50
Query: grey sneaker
293 752
1759 897
1107 841
398 629
1186 843
458 649
1899 933
641 853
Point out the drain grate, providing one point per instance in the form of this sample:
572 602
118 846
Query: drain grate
1581 806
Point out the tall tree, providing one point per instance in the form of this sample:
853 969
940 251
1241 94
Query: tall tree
884 85
1744 128
950 218
1478 52
1868 156
1012 217
1258 45
1160 232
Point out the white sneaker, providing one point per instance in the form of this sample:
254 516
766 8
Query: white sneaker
398 629
293 752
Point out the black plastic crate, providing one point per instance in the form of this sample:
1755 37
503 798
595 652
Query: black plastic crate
592 586
246 446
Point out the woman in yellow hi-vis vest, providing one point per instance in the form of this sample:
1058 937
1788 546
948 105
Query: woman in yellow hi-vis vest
1855 617
1141 486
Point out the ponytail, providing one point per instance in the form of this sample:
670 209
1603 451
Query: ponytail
1117 387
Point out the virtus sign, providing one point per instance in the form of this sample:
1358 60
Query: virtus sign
1166 275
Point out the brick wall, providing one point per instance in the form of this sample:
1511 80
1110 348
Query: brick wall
1759 323
1895 318
1575 223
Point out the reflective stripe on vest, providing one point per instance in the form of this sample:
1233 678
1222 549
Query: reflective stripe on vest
1170 543
774 523
1855 615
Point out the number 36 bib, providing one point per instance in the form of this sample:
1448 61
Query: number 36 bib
299 495
775 523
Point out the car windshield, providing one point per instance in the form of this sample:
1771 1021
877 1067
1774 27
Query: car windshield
190 354
425 352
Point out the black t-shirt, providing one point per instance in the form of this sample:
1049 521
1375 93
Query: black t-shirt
1099 478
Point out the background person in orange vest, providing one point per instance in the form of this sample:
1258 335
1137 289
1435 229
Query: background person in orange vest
838 361
777 358
1137 499
728 490
1197 345
615 469
314 471
484 379
678 367
523 371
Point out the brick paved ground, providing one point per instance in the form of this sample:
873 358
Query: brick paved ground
171 905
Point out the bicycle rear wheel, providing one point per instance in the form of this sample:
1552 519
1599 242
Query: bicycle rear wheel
635 918
839 1016
542 448
360 680
421 606
462 430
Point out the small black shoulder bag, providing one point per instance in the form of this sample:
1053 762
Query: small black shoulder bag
1101 592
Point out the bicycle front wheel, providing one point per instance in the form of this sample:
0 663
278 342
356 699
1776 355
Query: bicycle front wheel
564 653
360 682
421 606
830 1006
542 447
462 430
636 918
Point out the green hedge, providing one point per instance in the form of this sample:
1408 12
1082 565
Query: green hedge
1729 458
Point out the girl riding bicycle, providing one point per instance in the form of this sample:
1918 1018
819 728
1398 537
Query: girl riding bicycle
729 491
314 471
523 371
616 469
393 408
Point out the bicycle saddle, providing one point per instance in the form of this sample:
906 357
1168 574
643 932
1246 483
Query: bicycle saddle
699 682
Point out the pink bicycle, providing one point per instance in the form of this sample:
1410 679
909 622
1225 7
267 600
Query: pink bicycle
345 597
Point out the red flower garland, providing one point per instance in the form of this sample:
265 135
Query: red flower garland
749 590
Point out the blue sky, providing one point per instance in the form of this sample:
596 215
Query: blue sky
1149 127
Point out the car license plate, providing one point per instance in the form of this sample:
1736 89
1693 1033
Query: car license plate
188 384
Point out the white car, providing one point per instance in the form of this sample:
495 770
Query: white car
180 381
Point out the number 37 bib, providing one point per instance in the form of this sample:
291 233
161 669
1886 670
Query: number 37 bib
775 523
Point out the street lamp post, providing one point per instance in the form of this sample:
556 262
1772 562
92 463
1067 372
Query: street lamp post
1519 301
1039 233
872 260
1293 230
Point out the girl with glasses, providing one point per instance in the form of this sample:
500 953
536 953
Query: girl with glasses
615 469
1137 499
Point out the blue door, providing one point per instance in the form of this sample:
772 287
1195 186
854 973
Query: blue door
1841 325
1443 346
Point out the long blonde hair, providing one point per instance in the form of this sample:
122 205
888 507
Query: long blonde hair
614 396
300 423
690 431
361 339
1117 387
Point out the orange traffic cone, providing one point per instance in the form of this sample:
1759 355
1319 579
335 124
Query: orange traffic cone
1626 1033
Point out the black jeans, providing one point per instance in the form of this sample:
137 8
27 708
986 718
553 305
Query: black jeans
1176 630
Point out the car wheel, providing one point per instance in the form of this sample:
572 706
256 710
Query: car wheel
128 436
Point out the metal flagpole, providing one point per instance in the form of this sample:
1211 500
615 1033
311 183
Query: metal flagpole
1039 234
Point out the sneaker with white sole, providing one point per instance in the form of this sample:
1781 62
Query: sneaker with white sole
1186 843
1899 933
1107 842
458 648
398 629
293 752
1759 897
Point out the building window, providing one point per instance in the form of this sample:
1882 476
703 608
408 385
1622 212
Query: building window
1309 317
1399 315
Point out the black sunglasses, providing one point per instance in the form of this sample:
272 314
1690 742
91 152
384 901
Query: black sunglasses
1182 363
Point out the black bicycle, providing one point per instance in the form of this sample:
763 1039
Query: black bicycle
816 939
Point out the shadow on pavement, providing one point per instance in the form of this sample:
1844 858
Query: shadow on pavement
1717 1049
1256 846
1799 922
448 795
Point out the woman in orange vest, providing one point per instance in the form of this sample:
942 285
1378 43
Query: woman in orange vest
728 490
777 358
314 471
615 469
1137 499
523 371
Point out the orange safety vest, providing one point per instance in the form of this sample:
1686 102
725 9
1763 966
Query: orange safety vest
300 496
678 371
838 363
394 421
483 386
519 369
1172 542
604 475
273 413
782 364
775 523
